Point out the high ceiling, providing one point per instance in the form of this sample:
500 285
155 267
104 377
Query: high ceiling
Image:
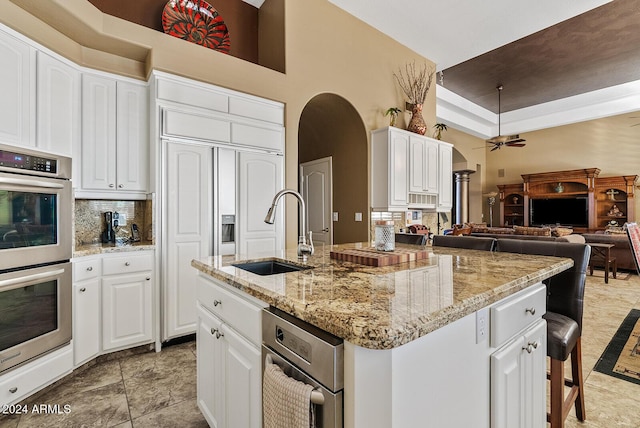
559 53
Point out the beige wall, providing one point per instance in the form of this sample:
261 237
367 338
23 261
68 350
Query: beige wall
327 51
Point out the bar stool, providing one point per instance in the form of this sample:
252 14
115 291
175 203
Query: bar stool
467 242
565 303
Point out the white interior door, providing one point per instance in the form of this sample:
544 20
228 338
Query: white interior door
188 194
317 191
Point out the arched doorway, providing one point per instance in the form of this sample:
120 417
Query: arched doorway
331 127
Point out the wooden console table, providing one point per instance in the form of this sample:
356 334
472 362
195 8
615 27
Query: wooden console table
601 252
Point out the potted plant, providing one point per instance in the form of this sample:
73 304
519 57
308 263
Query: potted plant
439 128
415 84
393 113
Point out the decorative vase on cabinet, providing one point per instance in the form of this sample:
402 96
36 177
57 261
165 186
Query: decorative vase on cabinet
417 123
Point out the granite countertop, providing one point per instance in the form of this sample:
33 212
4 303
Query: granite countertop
385 307
120 246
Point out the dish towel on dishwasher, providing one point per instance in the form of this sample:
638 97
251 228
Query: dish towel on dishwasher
286 402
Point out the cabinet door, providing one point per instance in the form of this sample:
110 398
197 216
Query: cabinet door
86 320
416 164
445 182
132 137
98 133
431 167
126 310
398 169
518 381
188 198
58 102
17 86
243 381
210 369
260 178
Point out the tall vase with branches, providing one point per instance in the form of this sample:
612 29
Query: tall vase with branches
415 83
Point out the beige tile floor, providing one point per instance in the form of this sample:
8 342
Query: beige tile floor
159 389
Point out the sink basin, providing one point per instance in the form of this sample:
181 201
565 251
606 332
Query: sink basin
270 267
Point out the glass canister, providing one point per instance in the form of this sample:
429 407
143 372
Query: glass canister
385 235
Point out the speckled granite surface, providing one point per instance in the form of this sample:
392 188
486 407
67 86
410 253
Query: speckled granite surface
91 249
382 308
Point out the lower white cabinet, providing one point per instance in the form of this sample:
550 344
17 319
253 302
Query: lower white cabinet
112 303
228 362
519 364
518 370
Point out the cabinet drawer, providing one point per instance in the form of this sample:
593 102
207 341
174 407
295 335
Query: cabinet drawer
248 135
127 264
519 311
257 109
239 313
86 269
193 95
32 377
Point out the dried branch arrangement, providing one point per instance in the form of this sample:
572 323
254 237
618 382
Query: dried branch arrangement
415 84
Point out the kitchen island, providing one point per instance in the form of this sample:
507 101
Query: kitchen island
420 337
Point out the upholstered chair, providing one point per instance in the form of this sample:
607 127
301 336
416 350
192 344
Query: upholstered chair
467 242
565 303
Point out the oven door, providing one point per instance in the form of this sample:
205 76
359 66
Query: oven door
35 220
35 312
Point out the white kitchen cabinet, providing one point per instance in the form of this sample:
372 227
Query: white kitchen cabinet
58 105
445 177
86 310
518 372
389 169
423 164
229 358
18 89
112 303
115 139
187 230
127 286
260 177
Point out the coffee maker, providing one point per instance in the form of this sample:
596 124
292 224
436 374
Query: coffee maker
109 234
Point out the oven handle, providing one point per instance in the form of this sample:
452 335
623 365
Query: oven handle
30 183
316 395
28 278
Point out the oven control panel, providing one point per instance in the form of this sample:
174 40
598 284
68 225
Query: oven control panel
14 160
293 343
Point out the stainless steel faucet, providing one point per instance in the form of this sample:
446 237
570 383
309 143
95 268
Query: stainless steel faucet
304 250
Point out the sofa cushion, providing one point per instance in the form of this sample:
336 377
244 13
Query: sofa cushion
535 231
561 231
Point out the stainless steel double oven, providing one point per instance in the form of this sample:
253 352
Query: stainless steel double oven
36 203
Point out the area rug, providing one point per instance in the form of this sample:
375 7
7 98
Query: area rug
621 358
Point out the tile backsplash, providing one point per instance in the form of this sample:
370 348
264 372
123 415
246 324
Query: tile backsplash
89 219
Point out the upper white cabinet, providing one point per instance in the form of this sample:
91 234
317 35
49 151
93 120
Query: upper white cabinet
260 178
389 169
58 105
445 176
17 86
409 171
115 138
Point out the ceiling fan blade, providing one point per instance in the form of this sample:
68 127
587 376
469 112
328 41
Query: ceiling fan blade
496 147
515 144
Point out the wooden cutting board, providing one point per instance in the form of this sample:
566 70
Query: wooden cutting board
371 257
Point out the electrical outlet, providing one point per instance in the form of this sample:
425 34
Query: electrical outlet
482 325
358 216
120 218
335 216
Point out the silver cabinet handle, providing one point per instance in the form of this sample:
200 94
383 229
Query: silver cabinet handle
127 263
326 229
532 311
219 334
90 268
217 302
83 289
111 185
120 186
530 347
214 330
148 278
13 390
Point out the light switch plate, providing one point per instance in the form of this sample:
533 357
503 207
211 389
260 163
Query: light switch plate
482 325
358 216
335 216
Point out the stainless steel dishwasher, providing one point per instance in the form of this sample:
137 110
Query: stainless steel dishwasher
310 355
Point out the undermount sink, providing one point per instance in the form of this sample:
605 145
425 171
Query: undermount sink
270 267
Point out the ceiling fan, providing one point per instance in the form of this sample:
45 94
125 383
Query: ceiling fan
504 140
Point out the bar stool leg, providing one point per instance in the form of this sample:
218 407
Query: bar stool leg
576 371
557 394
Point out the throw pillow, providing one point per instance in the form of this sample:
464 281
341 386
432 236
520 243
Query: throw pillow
532 231
561 231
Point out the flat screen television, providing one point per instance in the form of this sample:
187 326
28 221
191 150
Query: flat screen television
562 211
